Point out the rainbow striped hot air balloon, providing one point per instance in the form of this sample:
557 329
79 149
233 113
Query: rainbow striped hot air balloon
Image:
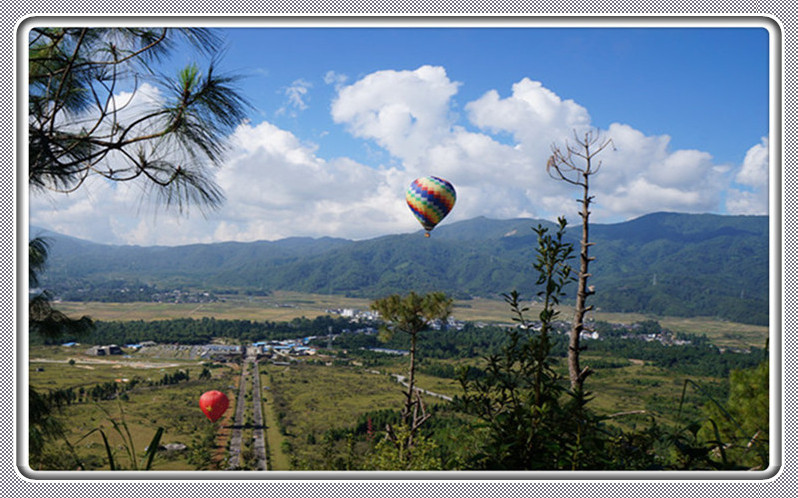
430 198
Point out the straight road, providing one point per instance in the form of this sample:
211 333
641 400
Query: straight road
238 421
249 369
259 435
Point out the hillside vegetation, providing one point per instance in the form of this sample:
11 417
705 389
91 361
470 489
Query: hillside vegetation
662 263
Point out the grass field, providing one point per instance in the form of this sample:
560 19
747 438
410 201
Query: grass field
53 371
143 409
310 399
278 460
303 402
306 400
281 306
285 306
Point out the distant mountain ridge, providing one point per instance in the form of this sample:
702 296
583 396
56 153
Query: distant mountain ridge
661 263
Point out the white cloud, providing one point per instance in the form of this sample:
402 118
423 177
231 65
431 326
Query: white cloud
278 185
754 171
750 195
533 114
409 113
405 112
642 175
98 211
336 79
297 96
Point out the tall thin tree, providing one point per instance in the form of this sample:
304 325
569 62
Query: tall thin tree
575 164
412 314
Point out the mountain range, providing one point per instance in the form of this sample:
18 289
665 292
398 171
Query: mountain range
661 263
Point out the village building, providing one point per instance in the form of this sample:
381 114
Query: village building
105 350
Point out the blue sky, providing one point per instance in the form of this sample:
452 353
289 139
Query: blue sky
706 88
344 118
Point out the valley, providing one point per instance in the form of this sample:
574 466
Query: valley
307 412
285 329
288 305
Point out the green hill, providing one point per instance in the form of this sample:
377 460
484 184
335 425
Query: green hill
662 263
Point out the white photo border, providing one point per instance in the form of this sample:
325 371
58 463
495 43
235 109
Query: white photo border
20 480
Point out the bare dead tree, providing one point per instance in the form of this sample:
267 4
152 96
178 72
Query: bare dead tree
575 164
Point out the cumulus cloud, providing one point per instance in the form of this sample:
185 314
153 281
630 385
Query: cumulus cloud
281 188
643 174
409 113
105 211
98 211
533 114
750 194
754 171
406 112
278 185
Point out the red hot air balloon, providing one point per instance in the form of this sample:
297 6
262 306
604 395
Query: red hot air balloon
213 404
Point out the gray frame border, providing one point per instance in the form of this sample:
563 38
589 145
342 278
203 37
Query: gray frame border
776 251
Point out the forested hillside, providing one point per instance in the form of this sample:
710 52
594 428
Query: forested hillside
662 263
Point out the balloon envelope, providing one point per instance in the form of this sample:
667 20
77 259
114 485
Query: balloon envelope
213 404
430 199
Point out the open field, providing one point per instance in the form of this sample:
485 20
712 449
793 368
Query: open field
52 372
143 409
280 306
311 399
278 459
306 400
285 306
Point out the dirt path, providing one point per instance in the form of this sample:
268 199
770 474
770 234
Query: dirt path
402 380
131 364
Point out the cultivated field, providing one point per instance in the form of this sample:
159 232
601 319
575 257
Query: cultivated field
285 306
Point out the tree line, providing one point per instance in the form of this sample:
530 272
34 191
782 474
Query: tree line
697 356
192 331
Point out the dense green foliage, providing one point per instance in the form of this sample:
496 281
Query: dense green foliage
743 419
663 263
520 397
697 358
